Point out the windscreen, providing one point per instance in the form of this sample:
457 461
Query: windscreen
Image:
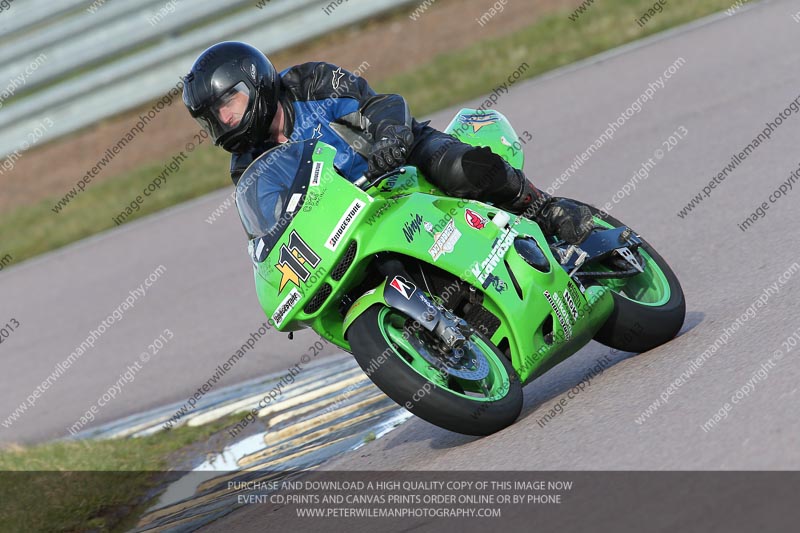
270 193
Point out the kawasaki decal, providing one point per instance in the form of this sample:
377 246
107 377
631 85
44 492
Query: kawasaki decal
499 250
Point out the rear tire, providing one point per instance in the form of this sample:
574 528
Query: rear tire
637 327
433 402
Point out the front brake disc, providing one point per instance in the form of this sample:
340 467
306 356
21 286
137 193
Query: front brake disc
471 366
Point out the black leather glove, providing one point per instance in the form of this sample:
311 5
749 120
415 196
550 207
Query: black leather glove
391 151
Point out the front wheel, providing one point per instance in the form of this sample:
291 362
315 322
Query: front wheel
397 358
649 308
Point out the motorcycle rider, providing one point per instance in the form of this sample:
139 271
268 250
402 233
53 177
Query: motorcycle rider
247 107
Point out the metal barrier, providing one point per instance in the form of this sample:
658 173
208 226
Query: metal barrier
90 65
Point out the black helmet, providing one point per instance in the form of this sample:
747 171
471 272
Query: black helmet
216 88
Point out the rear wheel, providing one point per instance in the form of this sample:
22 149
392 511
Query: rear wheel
478 395
649 308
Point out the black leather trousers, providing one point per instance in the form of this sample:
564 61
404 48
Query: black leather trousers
465 171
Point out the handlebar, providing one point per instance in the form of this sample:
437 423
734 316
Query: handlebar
364 184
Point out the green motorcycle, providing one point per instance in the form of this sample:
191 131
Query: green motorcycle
449 305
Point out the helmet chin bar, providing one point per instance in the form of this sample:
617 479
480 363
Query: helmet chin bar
240 138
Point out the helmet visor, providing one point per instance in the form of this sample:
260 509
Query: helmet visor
227 111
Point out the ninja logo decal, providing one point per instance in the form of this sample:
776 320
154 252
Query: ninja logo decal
294 257
403 286
413 227
474 219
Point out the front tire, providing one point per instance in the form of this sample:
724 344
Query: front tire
397 368
649 308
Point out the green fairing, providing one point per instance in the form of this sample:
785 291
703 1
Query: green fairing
364 302
379 227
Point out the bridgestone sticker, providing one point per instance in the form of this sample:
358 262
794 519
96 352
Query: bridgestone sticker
316 174
344 223
286 305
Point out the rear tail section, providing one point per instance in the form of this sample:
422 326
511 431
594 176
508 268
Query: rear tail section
488 128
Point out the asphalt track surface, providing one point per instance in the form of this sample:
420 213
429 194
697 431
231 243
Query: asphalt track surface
739 73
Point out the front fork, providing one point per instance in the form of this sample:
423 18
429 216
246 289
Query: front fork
401 293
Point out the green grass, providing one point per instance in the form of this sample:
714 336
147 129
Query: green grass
31 230
551 42
101 485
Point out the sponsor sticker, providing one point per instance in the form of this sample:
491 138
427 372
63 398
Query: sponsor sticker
499 250
498 284
403 286
571 303
316 173
576 291
285 306
293 201
474 219
344 223
478 121
258 250
561 313
445 240
312 200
